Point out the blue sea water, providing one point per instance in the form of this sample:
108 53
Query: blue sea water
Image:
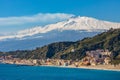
13 72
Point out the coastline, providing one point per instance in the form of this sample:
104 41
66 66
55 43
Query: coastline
107 67
82 67
97 67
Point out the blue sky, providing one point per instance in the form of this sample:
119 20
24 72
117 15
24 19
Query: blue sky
16 10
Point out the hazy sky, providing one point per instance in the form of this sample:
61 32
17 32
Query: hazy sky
21 14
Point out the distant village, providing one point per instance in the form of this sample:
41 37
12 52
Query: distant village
93 58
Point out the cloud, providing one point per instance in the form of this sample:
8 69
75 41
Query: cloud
41 17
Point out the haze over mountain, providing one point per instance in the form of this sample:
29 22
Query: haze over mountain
69 30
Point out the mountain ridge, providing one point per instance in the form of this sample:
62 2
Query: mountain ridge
77 23
72 29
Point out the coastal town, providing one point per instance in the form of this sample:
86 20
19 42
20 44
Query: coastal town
99 58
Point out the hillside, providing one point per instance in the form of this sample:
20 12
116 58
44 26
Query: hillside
107 40
75 50
47 51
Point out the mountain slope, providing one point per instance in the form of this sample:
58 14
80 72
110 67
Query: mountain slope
107 40
31 43
78 23
70 30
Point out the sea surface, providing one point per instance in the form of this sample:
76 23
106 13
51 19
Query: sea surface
14 72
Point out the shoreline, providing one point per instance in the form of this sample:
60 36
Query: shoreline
107 67
82 67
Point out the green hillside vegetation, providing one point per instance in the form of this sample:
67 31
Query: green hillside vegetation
47 51
107 40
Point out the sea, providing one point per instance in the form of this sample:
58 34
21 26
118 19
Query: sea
15 72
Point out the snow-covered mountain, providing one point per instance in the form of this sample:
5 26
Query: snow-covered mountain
78 23
70 30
